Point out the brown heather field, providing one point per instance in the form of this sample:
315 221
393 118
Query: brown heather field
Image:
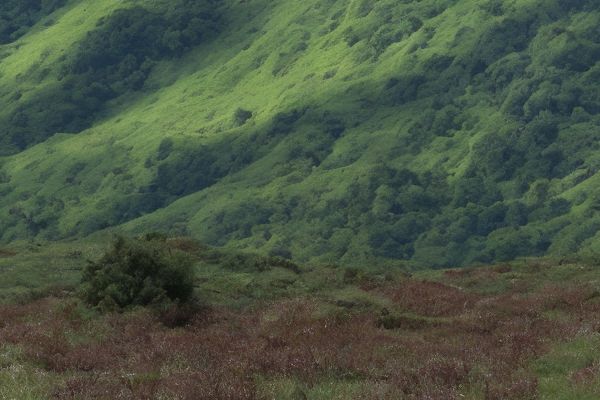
507 332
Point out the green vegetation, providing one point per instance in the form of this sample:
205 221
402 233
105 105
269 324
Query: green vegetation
431 133
17 16
114 59
357 148
137 273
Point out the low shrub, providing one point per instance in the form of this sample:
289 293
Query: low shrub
138 273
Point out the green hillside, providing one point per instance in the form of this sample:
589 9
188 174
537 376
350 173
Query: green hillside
439 132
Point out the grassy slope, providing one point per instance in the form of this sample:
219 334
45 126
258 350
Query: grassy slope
74 182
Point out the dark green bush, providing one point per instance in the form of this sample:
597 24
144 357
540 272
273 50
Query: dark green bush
240 116
164 149
138 273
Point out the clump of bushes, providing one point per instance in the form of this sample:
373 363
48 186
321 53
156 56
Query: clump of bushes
138 273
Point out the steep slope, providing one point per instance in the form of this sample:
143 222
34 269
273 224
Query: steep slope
440 132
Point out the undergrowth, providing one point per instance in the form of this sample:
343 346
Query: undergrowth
517 331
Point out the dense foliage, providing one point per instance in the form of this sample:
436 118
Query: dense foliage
138 273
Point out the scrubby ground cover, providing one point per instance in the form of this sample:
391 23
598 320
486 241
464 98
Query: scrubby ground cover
270 329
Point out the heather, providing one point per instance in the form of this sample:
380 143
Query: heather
523 330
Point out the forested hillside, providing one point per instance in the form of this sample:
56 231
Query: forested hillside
435 132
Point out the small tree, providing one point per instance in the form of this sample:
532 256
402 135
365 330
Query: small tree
240 116
138 273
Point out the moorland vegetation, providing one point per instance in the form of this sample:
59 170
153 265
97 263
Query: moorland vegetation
264 328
